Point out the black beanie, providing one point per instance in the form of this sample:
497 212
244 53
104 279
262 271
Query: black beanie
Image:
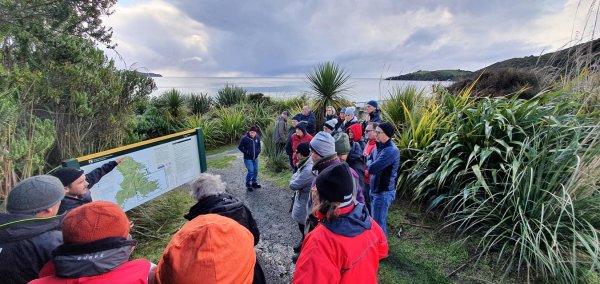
388 129
302 126
304 149
335 183
67 175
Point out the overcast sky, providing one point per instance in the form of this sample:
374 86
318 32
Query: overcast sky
370 39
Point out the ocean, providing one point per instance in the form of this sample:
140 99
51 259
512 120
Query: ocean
361 89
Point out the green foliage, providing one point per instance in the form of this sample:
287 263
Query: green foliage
199 104
329 83
211 129
221 162
293 104
519 173
501 82
259 98
165 115
276 161
259 114
437 75
233 122
230 95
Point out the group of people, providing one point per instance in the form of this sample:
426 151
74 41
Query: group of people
54 233
344 181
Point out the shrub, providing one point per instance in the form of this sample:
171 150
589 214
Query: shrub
329 83
199 104
233 122
259 98
276 161
211 129
230 95
504 82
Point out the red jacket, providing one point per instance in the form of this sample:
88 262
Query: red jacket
371 145
296 140
346 250
135 271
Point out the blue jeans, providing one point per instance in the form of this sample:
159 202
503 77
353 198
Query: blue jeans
380 202
252 167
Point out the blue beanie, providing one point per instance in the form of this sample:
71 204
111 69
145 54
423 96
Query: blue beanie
343 110
372 103
350 111
323 144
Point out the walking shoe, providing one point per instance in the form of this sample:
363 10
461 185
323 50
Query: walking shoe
256 185
249 187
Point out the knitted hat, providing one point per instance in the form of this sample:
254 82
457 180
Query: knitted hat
208 249
356 130
323 144
343 110
304 149
331 123
35 194
67 175
342 144
94 221
253 128
372 103
297 117
388 129
335 183
350 111
302 126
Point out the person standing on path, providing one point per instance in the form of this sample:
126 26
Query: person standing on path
301 182
280 133
347 243
30 231
77 185
209 191
250 147
383 169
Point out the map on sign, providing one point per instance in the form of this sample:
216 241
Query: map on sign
146 172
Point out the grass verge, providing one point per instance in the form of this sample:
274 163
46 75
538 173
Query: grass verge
221 162
155 222
423 253
221 149
281 179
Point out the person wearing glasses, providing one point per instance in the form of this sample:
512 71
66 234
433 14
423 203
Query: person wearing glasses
383 166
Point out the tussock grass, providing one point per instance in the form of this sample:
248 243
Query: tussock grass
221 162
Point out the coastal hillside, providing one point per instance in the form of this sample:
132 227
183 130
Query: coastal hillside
575 56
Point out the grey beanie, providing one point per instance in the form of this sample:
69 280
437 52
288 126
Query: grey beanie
323 144
35 194
331 123
350 111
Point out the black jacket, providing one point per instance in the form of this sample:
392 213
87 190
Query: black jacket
311 128
288 143
26 244
250 147
93 177
228 206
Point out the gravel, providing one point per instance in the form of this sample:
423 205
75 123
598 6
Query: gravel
269 205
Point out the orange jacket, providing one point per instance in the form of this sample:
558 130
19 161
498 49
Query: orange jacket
208 249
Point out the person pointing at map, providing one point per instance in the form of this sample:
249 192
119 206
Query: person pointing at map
77 184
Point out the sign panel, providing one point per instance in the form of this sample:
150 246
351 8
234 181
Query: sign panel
148 169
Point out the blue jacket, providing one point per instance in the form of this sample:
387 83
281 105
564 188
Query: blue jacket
250 147
311 128
383 166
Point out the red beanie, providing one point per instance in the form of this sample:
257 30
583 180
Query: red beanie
94 221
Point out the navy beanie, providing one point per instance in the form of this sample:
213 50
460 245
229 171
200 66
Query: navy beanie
304 149
335 183
67 175
302 126
297 117
372 103
388 129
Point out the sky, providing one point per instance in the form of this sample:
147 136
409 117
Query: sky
368 39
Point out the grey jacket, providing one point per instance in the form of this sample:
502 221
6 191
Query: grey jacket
280 133
301 181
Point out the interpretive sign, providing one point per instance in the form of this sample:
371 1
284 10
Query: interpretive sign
149 168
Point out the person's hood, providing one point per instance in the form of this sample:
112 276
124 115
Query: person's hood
351 224
15 227
91 259
216 204
357 131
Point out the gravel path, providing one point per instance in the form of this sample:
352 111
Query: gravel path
269 205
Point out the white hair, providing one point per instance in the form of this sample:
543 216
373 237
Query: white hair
206 185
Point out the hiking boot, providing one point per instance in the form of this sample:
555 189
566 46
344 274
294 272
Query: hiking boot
256 185
249 187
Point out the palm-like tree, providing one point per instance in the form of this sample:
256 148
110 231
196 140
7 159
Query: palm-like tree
330 84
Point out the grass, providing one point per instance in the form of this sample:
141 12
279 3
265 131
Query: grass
155 222
430 255
281 179
221 149
221 162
